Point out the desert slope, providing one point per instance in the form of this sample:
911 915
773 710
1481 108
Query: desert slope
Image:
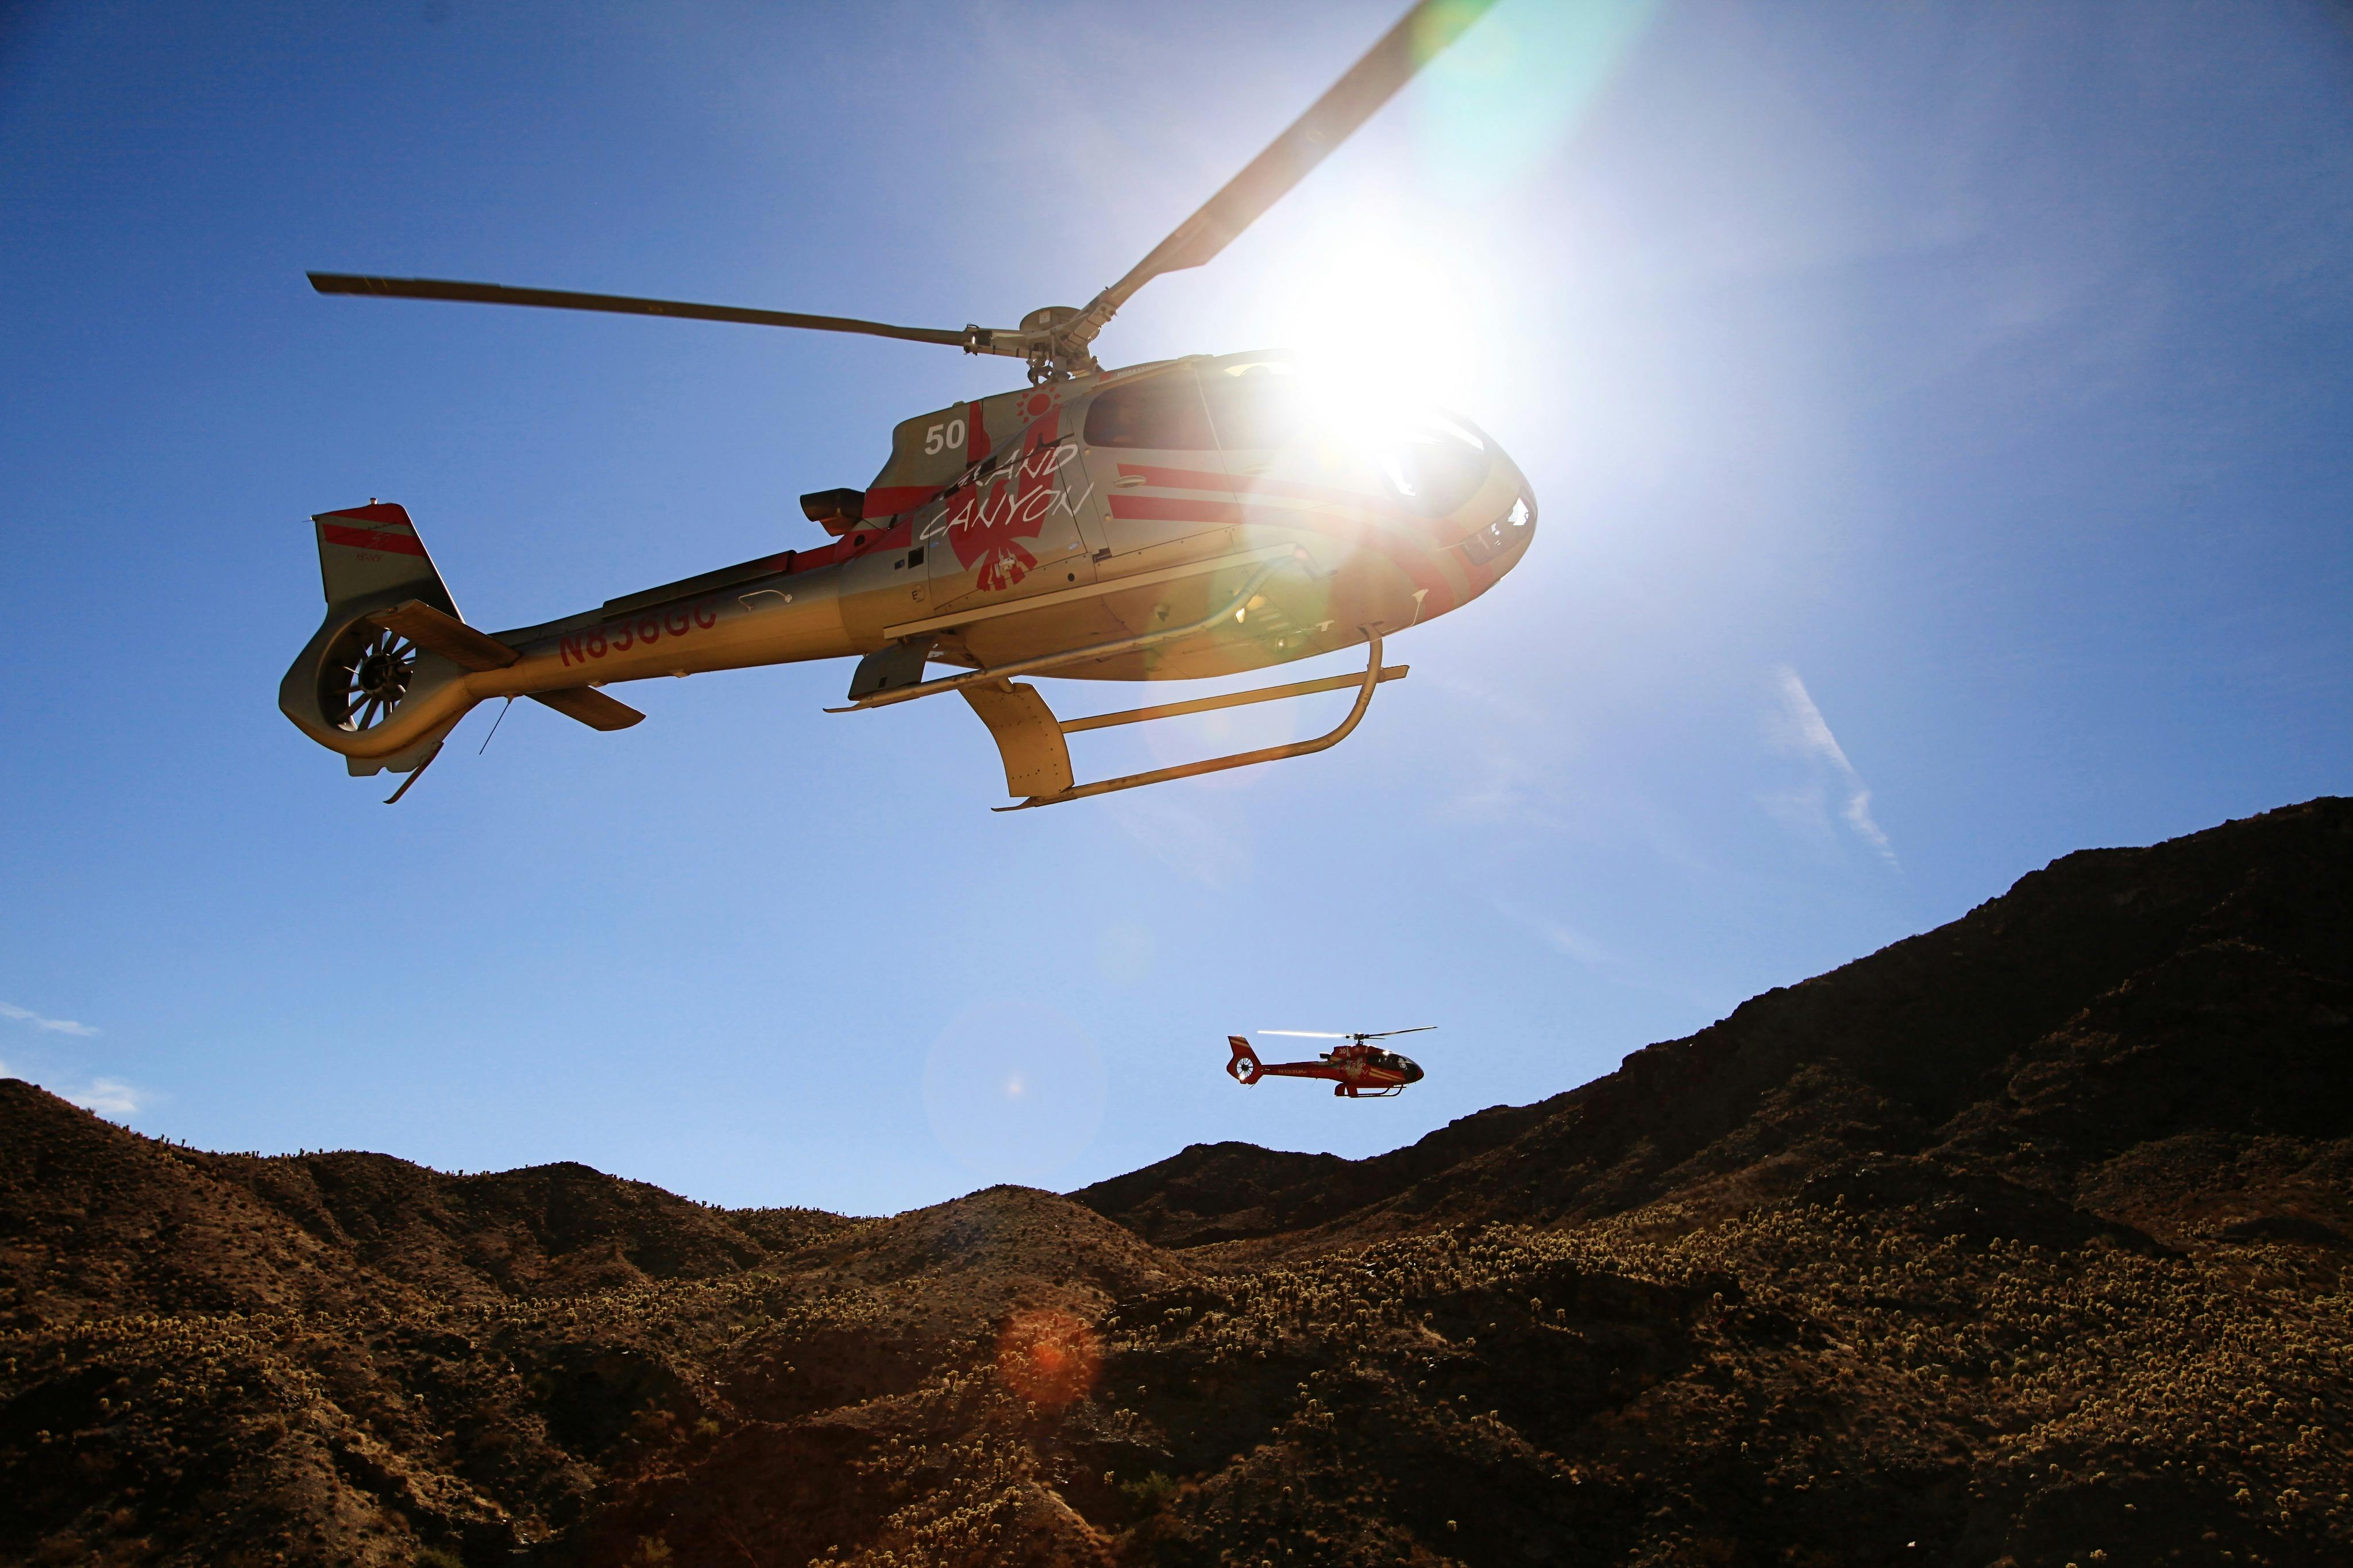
95 1221
2024 1241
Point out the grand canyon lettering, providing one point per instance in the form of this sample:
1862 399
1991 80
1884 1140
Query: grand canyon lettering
988 523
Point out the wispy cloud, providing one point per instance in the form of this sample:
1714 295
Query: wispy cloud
1187 840
1562 937
107 1097
1799 728
100 1096
1490 774
55 1026
1495 783
1609 964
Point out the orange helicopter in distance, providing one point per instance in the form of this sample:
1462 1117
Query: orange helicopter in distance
1357 1069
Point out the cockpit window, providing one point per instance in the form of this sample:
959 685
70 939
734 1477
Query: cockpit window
1163 411
1259 409
1427 461
1434 464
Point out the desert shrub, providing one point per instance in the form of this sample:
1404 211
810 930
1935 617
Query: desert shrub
1151 1494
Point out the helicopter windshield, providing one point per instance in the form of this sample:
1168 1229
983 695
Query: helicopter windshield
1431 462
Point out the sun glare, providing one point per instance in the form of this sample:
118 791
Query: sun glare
1375 311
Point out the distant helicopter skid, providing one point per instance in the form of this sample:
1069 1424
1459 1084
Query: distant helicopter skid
1358 1071
1188 518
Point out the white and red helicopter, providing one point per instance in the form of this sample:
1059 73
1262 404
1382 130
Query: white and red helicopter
1196 517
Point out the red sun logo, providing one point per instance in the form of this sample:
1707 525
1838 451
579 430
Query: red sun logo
986 524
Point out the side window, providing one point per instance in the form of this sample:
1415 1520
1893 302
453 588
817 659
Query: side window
1258 410
1163 411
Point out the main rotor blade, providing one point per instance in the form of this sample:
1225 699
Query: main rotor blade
1308 1034
628 305
1385 1034
1417 38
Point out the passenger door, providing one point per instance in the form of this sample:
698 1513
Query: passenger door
1013 531
1155 475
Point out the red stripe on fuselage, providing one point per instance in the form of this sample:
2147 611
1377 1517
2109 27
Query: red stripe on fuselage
851 545
1282 490
890 500
1176 509
1416 563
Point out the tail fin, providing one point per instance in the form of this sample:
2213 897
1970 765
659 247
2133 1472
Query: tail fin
383 681
369 558
1245 1065
356 676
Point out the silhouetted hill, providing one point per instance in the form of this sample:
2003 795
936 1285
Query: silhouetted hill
2163 1007
2023 1242
97 1221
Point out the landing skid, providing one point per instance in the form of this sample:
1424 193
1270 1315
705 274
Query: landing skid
1038 761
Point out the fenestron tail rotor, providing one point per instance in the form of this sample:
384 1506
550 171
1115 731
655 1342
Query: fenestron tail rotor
367 676
1053 340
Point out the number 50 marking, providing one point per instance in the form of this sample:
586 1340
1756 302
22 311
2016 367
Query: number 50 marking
944 438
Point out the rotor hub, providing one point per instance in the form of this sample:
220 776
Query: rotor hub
1055 343
379 675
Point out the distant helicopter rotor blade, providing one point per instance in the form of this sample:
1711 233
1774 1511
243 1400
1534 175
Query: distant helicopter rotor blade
975 339
1417 38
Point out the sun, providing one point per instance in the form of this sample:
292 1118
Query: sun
1373 308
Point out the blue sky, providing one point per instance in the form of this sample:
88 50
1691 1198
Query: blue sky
1941 415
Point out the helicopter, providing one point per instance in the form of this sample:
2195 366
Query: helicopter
1176 520
1357 1069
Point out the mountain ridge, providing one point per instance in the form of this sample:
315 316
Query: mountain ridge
1868 1096
2025 1241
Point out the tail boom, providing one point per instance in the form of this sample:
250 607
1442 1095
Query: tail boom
380 583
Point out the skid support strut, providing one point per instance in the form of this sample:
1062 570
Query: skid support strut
998 675
1038 761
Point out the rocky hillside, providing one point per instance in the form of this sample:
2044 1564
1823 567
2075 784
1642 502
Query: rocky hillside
2118 1029
95 1223
2023 1242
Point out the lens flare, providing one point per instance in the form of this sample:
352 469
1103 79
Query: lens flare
1014 1090
1048 1356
